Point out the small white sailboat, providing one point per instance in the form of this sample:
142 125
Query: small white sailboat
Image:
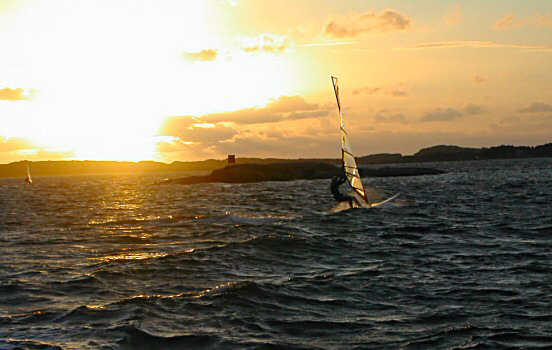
28 178
349 162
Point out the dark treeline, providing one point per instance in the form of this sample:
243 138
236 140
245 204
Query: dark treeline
430 154
454 153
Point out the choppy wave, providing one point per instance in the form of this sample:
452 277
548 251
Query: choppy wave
460 261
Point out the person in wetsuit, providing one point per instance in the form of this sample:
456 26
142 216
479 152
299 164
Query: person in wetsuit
338 196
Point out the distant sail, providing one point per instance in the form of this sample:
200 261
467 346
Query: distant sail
29 179
347 157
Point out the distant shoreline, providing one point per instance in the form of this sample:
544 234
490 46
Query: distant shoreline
441 153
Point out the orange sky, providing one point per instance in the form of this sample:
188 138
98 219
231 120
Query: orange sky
197 79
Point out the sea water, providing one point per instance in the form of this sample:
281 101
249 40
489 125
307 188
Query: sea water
460 260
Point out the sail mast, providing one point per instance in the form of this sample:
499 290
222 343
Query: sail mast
348 159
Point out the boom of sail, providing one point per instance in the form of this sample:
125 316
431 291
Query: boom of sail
347 157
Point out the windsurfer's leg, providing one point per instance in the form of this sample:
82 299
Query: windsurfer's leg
352 201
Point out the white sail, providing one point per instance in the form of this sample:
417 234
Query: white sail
29 179
347 157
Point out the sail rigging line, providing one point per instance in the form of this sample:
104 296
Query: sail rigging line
347 158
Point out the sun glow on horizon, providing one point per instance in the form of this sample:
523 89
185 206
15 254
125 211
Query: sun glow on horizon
107 75
100 79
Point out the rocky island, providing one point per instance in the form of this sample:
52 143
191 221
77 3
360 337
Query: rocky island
243 173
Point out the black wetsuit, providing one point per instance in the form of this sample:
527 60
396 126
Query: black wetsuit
338 196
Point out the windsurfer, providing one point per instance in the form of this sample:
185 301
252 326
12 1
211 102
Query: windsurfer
338 196
28 178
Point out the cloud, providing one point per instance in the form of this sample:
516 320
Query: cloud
216 133
480 78
357 23
473 109
189 130
455 16
15 94
397 91
475 44
509 120
368 142
283 108
441 114
41 154
535 125
172 125
544 21
449 114
367 90
331 43
14 144
16 149
537 107
178 150
510 21
203 55
292 104
393 118
291 146
249 144
267 42
316 145
306 115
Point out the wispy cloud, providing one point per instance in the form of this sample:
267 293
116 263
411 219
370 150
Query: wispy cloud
455 16
473 109
267 42
391 118
15 94
367 90
203 55
188 129
398 93
281 109
450 114
14 149
510 21
537 107
475 44
480 78
332 43
394 91
259 146
441 114
197 133
14 144
172 125
544 21
354 24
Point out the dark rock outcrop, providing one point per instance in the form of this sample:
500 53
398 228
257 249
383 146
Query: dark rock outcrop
243 173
